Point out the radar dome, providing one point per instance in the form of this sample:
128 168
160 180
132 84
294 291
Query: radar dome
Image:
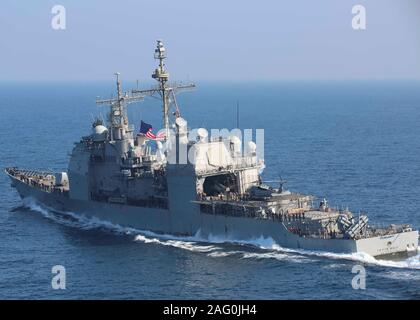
236 143
252 147
202 134
182 125
99 133
181 122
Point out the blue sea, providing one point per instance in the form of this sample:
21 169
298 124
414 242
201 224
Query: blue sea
356 143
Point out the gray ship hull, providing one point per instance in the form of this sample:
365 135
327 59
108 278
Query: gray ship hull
186 219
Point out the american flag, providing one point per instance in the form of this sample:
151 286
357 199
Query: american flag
146 130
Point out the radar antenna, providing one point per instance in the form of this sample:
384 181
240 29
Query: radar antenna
117 116
166 91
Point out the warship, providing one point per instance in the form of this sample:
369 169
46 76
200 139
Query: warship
139 180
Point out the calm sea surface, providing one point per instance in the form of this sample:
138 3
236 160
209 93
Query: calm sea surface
355 143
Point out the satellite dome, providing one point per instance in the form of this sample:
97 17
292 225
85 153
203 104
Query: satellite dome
236 143
252 147
99 133
181 122
235 139
202 134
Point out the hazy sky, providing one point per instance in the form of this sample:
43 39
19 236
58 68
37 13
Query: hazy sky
210 39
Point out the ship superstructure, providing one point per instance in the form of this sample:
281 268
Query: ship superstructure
173 184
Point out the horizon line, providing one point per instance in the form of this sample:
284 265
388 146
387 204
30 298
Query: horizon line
142 81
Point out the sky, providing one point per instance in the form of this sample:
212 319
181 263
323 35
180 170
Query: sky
210 40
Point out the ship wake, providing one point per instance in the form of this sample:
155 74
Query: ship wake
216 246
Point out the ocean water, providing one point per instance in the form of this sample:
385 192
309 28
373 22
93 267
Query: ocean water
355 143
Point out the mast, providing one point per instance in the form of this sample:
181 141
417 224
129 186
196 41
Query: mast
162 77
118 121
164 89
117 109
237 114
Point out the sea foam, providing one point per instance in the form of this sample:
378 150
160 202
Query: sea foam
213 245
